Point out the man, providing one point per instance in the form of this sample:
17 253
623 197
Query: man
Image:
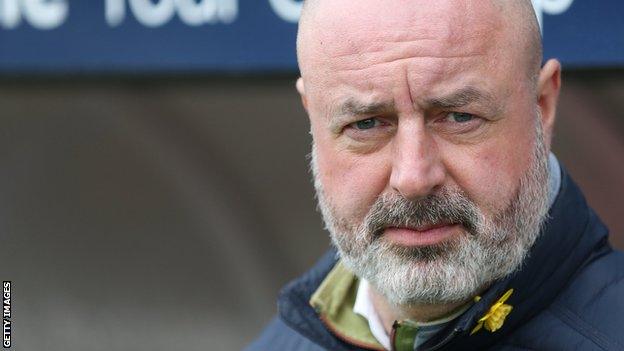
454 228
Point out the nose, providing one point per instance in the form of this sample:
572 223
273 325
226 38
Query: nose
417 168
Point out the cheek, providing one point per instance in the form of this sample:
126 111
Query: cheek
351 182
490 174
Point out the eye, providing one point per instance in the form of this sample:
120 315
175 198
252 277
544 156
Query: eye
364 124
459 123
460 117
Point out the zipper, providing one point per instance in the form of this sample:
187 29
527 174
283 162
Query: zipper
393 336
444 342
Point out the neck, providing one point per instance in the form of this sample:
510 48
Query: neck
423 313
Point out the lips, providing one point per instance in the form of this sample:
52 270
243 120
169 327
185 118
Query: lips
424 228
430 234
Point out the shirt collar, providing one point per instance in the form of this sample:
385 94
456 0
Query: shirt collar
554 178
364 307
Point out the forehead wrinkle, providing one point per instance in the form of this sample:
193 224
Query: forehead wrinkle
357 50
383 61
361 66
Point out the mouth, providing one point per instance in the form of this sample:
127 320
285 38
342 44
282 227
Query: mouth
427 235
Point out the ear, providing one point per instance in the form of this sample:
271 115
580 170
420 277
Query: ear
548 87
301 90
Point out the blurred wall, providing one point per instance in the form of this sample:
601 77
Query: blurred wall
160 214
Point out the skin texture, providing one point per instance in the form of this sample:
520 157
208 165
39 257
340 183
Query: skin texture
408 67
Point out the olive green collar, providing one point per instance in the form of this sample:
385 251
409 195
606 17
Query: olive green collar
334 300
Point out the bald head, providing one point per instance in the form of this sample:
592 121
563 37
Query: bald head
513 21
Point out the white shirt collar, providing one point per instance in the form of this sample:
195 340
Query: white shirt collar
364 307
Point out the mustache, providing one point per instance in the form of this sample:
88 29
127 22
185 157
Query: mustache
445 207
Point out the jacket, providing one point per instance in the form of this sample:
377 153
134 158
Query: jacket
568 295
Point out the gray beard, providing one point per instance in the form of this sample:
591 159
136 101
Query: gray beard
490 248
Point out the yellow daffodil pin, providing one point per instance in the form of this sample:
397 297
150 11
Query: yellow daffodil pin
495 317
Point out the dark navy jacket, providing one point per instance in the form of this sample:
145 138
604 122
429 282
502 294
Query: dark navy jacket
569 295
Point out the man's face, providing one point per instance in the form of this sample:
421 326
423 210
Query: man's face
428 151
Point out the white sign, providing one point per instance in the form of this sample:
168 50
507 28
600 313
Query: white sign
288 10
50 14
156 14
41 14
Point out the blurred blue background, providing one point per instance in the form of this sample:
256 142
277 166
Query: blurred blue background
154 184
199 36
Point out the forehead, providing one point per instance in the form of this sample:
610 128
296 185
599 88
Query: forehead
362 43
347 26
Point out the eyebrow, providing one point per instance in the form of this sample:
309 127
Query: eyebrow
353 107
461 98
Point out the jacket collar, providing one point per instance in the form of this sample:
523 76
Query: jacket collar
571 236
